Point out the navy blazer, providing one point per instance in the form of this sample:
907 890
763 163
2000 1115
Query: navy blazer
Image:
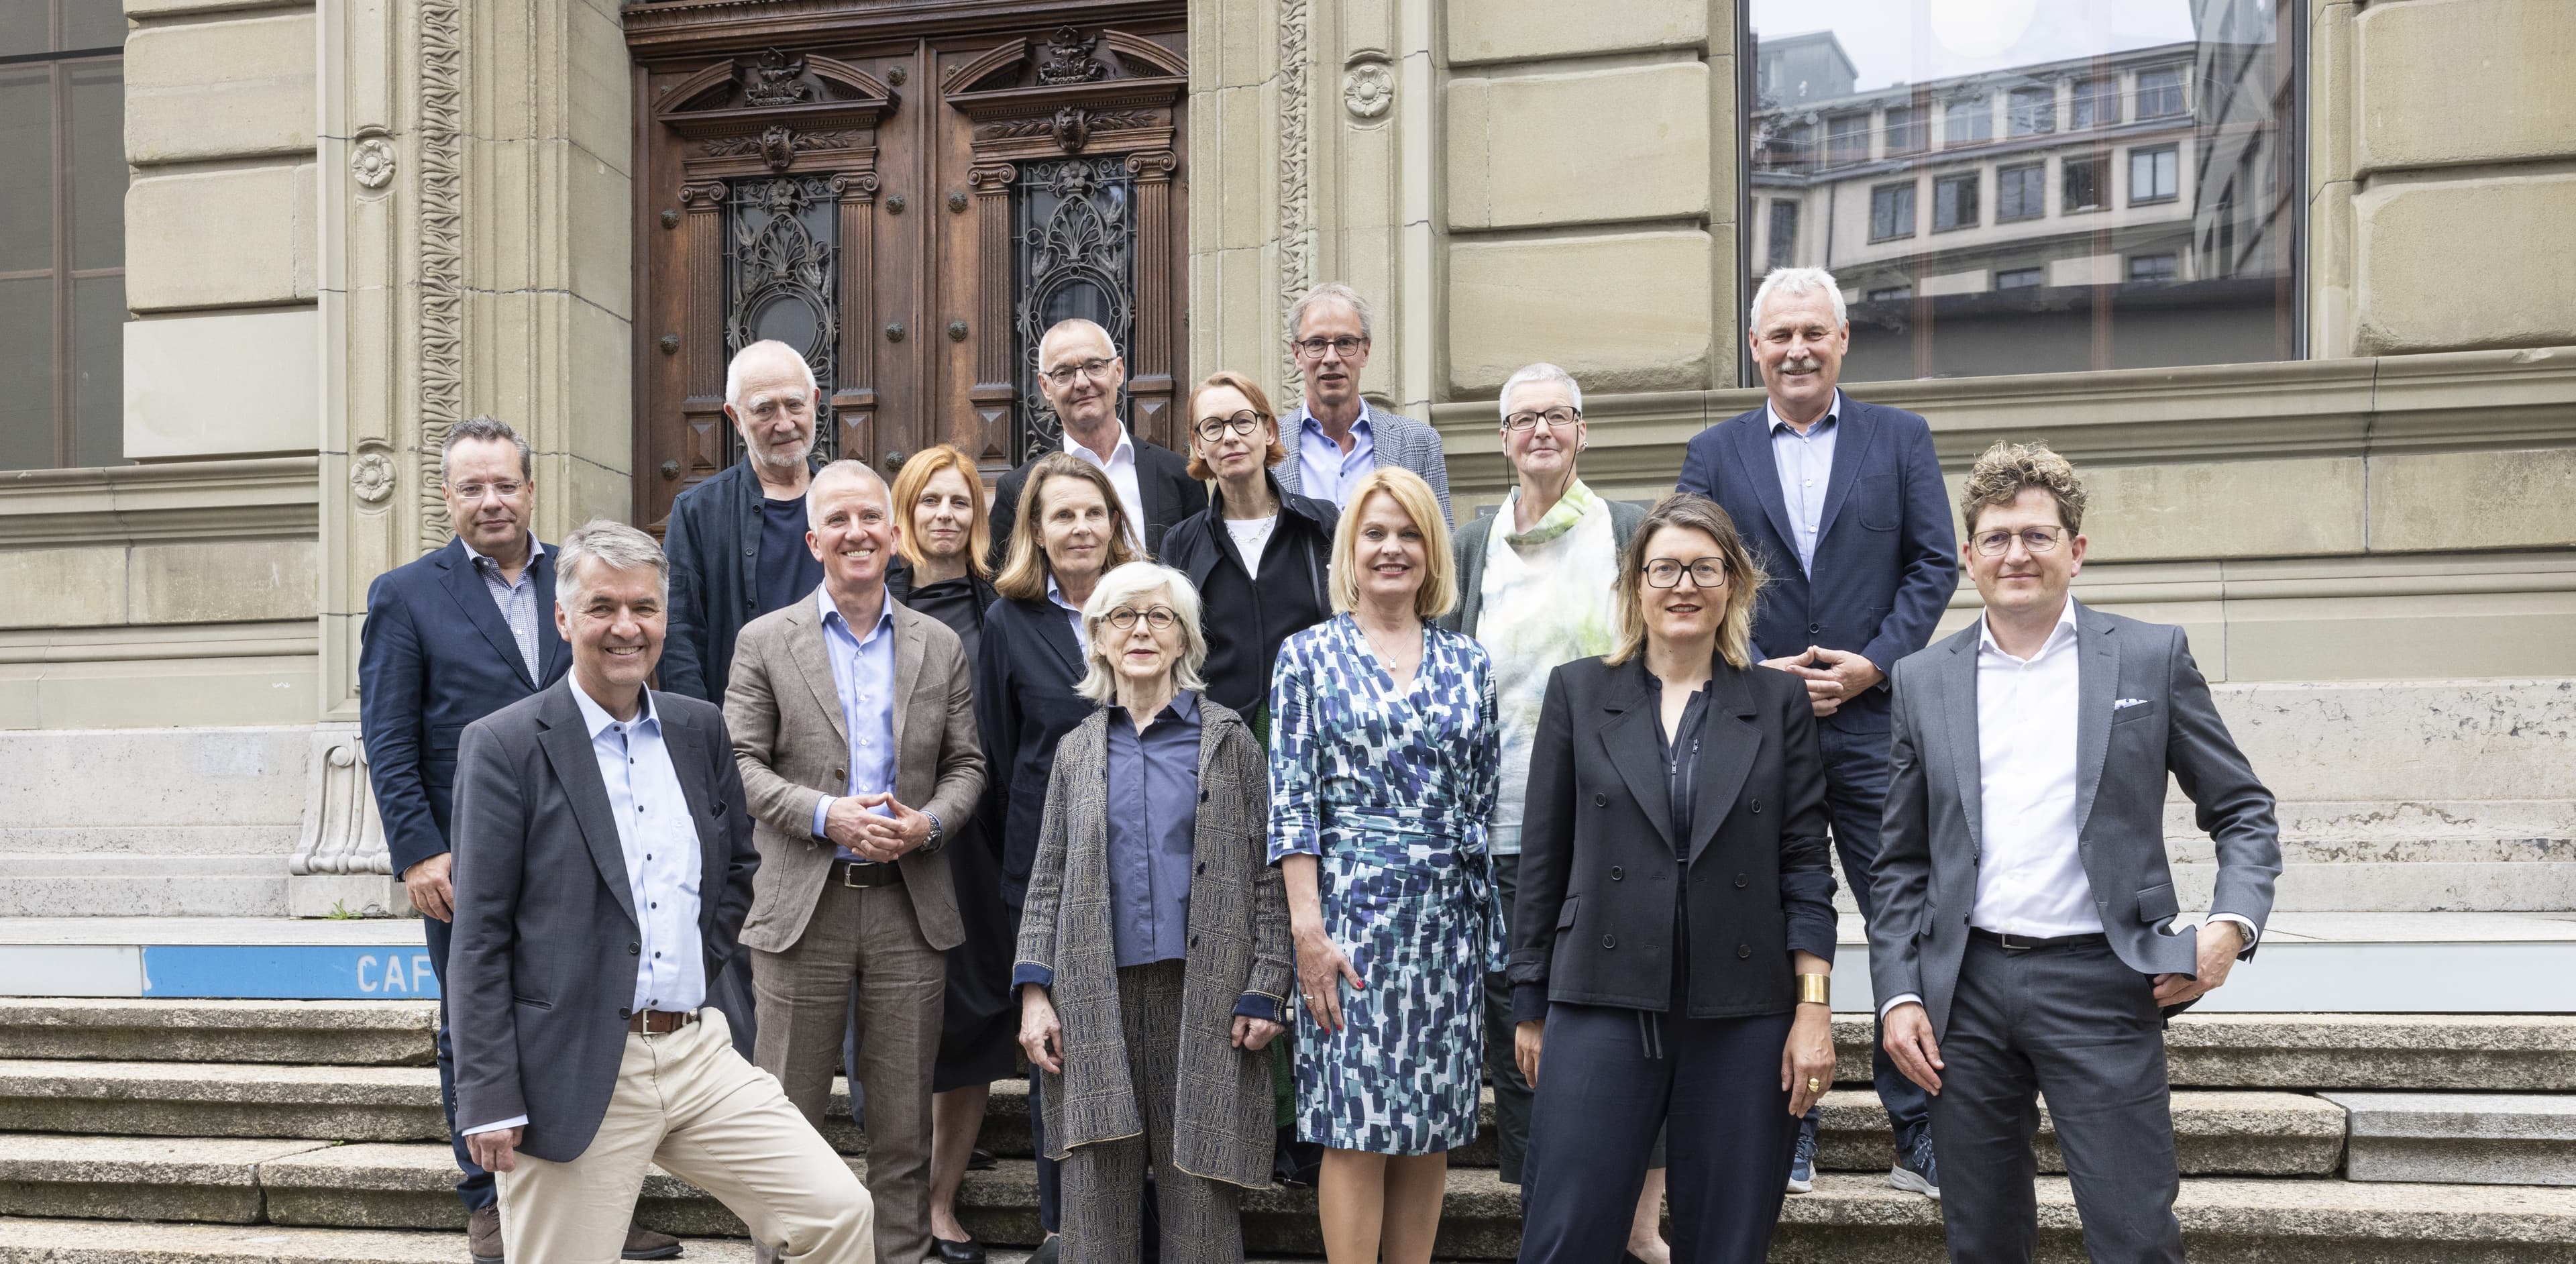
713 541
434 656
1887 558
1025 672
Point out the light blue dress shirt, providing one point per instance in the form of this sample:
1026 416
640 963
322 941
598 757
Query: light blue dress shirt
660 840
863 676
1153 831
1324 471
1806 465
517 601
1072 613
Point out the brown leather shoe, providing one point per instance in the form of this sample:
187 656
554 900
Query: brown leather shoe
483 1235
644 1244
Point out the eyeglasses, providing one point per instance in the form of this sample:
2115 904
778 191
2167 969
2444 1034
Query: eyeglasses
2035 539
1314 348
506 490
1665 572
1093 369
1215 428
1124 618
1556 418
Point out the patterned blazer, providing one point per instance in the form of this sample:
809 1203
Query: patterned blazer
1221 1129
1397 440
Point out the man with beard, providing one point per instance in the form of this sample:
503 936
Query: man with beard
1080 373
1842 504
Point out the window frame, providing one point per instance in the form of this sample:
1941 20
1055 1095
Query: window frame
1975 183
1913 211
2172 268
2181 92
2170 150
2039 275
2107 95
62 269
2100 161
2044 124
1917 129
1984 113
1858 130
1773 247
2038 206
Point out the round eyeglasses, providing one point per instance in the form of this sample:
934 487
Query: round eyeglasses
1159 618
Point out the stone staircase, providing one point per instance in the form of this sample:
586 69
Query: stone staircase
207 1131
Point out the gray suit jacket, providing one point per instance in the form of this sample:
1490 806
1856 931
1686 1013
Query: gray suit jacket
794 748
542 966
1397 440
1926 878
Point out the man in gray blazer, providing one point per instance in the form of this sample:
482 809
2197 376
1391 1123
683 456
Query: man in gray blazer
847 711
2020 948
603 864
1334 437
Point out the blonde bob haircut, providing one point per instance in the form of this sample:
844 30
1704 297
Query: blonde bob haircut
1439 592
1025 571
1121 587
1260 408
914 479
1744 577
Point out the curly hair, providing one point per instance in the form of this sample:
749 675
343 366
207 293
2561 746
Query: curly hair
2009 469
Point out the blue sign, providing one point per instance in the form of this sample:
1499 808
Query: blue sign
290 972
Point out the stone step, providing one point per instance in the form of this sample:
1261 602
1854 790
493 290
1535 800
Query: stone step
352 1033
2468 1138
43 884
128 1242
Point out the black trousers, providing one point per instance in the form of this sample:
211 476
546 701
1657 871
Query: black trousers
2077 1025
1856 796
1609 1079
474 1188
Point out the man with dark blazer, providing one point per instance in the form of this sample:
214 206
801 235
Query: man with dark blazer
450 638
2023 890
1080 373
603 866
1842 504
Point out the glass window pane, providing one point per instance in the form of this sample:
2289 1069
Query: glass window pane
2034 111
93 23
26 167
1784 233
98 165
98 370
25 27
1967 120
27 374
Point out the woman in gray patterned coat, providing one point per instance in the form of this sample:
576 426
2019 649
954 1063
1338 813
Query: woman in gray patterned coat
1153 963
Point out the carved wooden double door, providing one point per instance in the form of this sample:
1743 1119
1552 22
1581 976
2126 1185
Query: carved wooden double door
910 201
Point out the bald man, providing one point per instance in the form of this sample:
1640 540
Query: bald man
1080 372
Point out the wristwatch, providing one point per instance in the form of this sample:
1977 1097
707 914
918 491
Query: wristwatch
937 832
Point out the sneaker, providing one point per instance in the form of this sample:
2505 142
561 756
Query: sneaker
1802 1161
1914 1170
1046 1252
483 1234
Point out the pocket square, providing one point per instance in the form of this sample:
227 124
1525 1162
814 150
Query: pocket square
2126 703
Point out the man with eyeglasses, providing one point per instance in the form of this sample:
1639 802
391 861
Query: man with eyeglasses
1842 504
450 638
1339 436
1080 373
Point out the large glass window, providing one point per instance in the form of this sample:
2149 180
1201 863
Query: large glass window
2111 183
62 233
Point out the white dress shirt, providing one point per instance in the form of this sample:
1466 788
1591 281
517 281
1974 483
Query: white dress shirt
1120 466
1806 466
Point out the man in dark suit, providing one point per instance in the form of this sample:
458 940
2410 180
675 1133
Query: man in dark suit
1080 373
603 866
2023 890
450 638
1842 504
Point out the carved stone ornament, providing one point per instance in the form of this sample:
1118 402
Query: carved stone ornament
371 476
371 161
1070 60
1368 89
777 145
1072 127
776 79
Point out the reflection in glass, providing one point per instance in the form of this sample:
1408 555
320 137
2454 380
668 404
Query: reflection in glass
27 366
91 24
98 371
26 168
2082 184
98 164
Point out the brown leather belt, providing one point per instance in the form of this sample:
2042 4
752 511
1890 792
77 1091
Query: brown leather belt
860 874
660 1022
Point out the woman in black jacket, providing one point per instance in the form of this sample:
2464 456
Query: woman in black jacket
1259 556
1675 926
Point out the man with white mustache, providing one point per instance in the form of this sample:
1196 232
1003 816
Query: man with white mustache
1842 504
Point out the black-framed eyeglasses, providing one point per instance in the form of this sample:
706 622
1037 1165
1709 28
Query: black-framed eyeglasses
1666 572
1314 348
1159 618
2035 539
1215 428
1093 369
1556 418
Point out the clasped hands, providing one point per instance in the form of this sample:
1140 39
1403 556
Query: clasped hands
852 822
1833 677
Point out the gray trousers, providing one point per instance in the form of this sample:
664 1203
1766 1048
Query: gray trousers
1104 1183
2076 1025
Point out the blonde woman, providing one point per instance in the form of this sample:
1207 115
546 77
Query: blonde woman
1675 929
1383 757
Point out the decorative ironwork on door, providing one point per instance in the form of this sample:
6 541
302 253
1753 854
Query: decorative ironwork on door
783 243
1074 255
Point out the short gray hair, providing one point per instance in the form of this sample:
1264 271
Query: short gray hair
1539 372
1117 588
1794 281
847 467
613 545
485 430
766 346
1329 291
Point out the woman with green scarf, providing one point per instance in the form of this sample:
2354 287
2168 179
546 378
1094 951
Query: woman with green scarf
1535 589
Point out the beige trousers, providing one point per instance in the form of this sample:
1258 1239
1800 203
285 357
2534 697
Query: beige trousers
687 1101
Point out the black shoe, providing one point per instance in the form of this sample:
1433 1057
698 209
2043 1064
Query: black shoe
979 1160
969 1251
1045 1254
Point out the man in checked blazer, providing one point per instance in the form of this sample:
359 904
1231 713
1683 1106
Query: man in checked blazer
2020 948
854 725
1335 436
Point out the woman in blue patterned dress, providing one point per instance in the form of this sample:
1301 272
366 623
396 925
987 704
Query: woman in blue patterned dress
1384 754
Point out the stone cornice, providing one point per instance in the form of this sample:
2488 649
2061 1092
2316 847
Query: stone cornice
272 498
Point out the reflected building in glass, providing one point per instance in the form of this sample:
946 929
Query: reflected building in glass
2120 209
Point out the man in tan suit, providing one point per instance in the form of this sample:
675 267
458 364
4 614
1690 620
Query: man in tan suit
854 725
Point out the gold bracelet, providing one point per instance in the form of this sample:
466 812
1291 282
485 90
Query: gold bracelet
1815 989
